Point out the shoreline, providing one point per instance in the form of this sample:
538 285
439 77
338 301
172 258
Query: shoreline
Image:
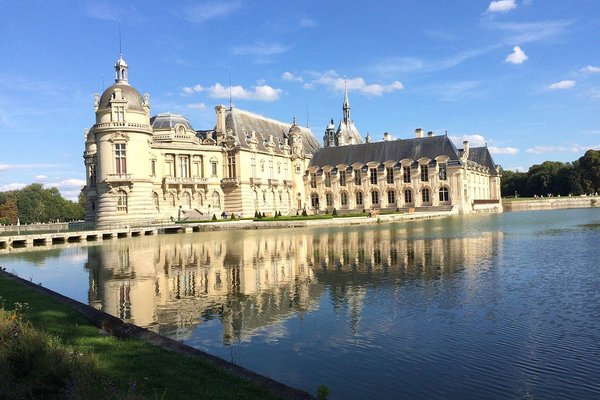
551 203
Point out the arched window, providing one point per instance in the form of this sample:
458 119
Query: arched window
359 198
156 204
314 200
329 199
374 197
444 194
216 199
391 197
344 198
122 201
187 201
425 196
172 199
408 197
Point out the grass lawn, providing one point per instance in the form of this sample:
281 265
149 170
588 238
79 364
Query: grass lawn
110 367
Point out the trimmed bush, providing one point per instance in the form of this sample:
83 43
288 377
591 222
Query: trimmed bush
214 218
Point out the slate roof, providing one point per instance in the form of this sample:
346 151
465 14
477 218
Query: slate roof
128 92
482 156
393 150
242 123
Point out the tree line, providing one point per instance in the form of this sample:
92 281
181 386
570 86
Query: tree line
34 203
555 178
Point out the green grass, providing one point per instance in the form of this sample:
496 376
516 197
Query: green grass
103 366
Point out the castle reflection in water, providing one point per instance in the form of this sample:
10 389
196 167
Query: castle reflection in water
250 280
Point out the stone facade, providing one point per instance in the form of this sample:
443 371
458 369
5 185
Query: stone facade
143 169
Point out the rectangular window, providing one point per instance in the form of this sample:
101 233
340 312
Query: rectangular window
443 171
184 166
153 167
231 165
357 178
390 174
406 174
92 175
327 179
424 173
342 178
119 114
373 176
120 158
213 168
313 181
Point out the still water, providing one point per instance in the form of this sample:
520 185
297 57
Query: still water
493 306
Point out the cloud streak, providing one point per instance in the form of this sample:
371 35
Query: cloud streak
200 13
501 6
567 84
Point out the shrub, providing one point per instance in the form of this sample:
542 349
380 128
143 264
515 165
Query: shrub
304 213
214 218
334 212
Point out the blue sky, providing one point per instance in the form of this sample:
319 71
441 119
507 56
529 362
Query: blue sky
522 76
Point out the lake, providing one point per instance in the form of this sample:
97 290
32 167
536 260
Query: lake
500 306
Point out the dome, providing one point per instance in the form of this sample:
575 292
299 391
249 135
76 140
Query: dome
169 121
134 99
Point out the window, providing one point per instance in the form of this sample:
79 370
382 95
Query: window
172 200
213 168
425 195
444 195
424 173
216 199
391 197
342 178
408 196
231 165
344 198
357 179
187 201
374 197
198 171
298 169
155 199
373 176
92 174
443 171
390 174
184 166
314 200
120 158
153 167
313 181
329 199
406 174
327 179
169 169
122 201
359 199
119 113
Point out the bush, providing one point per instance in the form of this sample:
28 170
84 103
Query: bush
334 212
304 213
214 218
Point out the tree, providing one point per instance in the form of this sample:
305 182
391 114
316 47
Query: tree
589 167
8 208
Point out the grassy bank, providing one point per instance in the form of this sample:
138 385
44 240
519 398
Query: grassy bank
48 350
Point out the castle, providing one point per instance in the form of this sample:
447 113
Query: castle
143 168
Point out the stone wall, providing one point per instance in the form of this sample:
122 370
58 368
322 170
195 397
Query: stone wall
552 203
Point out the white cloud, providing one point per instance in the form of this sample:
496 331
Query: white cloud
567 84
41 177
260 49
288 76
69 188
261 93
197 106
306 23
516 57
12 186
187 90
526 32
573 148
502 6
591 69
210 10
332 80
503 150
5 167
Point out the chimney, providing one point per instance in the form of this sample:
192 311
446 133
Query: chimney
430 133
220 111
466 149
387 137
419 132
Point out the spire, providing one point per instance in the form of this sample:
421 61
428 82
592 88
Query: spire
346 105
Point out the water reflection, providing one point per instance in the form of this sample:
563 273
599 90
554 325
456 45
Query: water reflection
171 284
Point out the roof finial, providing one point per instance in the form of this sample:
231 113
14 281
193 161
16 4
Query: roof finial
230 93
120 48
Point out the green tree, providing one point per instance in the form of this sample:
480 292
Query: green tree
589 168
8 208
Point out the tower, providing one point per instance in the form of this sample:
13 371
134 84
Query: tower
117 149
